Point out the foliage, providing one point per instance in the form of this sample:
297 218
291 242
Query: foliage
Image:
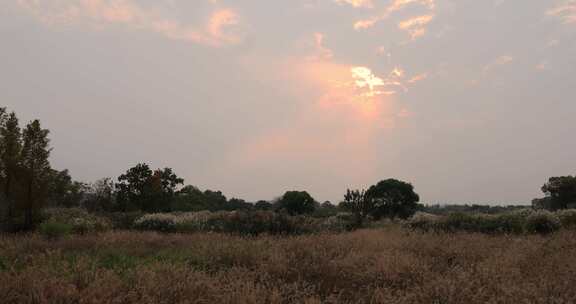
561 191
422 221
79 219
360 204
296 202
25 172
542 222
393 198
240 222
517 222
122 220
365 266
55 230
142 189
63 191
567 218
156 222
469 208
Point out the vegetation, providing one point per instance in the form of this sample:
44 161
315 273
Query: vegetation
517 222
148 237
365 266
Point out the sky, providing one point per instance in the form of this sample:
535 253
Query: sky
470 101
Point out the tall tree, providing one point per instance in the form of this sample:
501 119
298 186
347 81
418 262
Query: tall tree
36 169
10 158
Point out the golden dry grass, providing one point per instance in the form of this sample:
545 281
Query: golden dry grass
368 266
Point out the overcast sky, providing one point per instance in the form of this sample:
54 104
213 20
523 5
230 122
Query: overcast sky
471 101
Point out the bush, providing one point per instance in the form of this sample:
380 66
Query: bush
123 220
55 230
79 219
159 222
542 222
567 218
236 222
422 221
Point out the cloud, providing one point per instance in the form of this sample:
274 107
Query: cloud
500 61
221 27
415 26
565 11
320 51
357 3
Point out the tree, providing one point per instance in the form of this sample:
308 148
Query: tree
36 169
263 205
100 195
296 202
561 191
142 189
190 198
10 158
393 198
357 202
64 191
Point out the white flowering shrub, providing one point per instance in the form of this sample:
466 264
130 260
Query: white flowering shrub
161 222
542 222
80 220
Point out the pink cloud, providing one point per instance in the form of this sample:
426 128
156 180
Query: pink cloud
221 27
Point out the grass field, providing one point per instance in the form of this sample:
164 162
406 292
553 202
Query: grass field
389 265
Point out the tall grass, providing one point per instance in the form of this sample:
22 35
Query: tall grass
389 265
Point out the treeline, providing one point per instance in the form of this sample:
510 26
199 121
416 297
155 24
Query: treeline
28 184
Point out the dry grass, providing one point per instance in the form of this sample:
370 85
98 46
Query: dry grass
368 266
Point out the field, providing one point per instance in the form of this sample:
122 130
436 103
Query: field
389 265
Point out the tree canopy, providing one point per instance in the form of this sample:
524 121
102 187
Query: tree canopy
392 198
296 202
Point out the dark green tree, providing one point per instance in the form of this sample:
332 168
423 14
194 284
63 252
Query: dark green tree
132 187
561 191
359 204
10 159
263 205
392 198
35 169
65 192
296 202
100 196
140 188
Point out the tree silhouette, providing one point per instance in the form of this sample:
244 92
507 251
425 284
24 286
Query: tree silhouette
357 202
36 169
561 191
393 198
296 202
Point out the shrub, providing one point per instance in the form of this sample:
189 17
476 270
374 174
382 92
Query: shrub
567 218
123 220
422 221
160 222
458 222
511 222
55 230
338 223
542 222
79 219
